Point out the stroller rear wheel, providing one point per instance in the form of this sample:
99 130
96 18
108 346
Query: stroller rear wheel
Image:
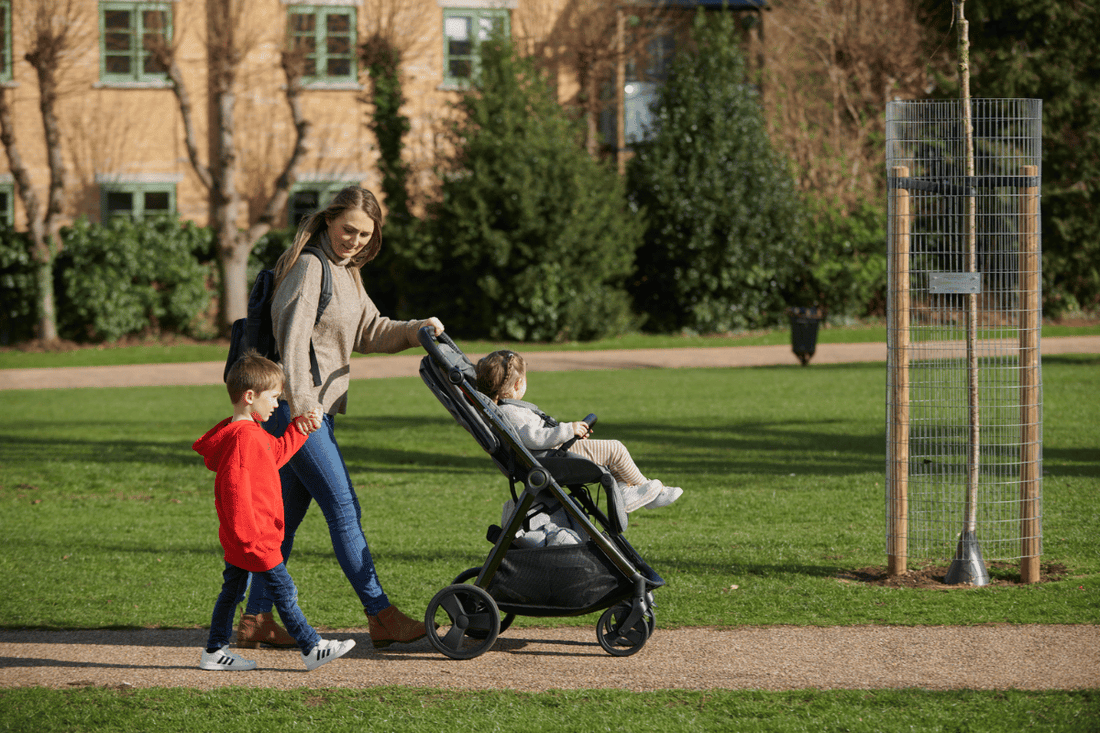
505 621
468 621
618 636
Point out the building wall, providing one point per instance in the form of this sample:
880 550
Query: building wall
132 134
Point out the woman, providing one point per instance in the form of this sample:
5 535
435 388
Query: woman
349 233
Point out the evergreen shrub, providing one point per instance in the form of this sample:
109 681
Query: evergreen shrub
131 277
723 247
846 265
18 289
531 239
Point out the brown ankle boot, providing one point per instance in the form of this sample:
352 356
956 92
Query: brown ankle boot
391 626
262 629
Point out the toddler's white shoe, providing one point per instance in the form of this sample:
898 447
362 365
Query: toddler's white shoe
325 651
224 661
668 495
640 495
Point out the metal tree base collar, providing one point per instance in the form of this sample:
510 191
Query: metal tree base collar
968 566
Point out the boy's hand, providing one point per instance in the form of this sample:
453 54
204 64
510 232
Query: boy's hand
581 429
309 422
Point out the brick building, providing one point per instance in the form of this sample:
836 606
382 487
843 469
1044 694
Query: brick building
124 140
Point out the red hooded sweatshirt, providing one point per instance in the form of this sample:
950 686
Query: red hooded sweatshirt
247 490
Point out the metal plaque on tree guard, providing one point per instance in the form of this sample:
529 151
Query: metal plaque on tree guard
954 283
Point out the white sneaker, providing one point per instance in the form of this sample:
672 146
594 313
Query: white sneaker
224 661
640 495
668 495
325 651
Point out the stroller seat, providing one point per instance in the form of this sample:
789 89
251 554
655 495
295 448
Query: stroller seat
604 572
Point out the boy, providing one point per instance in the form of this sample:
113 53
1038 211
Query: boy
249 500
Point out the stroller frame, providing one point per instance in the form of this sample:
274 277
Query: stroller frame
464 618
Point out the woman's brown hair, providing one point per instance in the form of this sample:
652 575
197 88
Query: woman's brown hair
352 197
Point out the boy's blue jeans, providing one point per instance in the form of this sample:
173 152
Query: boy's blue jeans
285 596
318 472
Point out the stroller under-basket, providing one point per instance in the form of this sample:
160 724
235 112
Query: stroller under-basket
604 572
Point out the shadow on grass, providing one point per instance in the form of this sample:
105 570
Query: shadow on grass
817 447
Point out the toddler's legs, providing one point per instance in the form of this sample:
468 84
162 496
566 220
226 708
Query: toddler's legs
638 491
614 455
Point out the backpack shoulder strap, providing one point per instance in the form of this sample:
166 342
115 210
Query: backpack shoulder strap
322 303
326 281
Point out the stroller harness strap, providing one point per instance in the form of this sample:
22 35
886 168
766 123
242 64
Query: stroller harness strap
546 419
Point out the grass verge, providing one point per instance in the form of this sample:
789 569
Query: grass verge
430 711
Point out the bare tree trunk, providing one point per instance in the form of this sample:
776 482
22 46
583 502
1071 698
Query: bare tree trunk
50 25
226 50
47 317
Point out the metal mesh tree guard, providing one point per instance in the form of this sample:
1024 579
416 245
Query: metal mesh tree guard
964 391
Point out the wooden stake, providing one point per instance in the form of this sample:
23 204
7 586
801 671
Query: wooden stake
898 550
1030 448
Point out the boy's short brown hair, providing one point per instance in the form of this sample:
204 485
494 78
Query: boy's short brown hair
253 372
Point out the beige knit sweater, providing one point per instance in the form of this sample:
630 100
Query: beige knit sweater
351 322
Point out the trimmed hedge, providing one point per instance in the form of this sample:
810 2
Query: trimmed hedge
132 277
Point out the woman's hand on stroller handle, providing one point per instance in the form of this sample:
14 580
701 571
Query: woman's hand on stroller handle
434 324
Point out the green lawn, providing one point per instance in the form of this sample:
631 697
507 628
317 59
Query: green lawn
108 521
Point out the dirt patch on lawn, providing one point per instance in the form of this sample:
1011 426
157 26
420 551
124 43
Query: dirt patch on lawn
931 577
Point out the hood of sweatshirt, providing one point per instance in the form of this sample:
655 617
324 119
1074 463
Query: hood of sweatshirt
219 439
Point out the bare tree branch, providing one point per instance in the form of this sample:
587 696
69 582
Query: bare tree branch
293 62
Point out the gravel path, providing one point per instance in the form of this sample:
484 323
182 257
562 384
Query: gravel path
407 364
1027 657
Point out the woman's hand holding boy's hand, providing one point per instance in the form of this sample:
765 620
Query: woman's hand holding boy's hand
309 422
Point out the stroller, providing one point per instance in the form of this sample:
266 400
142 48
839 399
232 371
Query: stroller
604 572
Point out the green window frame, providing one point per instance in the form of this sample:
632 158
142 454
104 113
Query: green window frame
305 198
464 29
5 40
127 33
326 34
7 204
139 201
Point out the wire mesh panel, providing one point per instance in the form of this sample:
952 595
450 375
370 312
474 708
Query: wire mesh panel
964 394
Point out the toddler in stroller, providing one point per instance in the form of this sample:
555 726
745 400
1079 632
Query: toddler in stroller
502 376
602 572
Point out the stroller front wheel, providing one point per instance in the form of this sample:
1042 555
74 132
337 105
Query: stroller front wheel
619 636
468 621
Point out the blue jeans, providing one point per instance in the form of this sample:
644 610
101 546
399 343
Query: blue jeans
318 472
282 590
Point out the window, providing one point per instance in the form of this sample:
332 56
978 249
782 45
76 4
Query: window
646 73
5 40
7 205
305 198
129 32
463 31
325 35
136 200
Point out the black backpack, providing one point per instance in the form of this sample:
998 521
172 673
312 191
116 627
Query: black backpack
255 332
